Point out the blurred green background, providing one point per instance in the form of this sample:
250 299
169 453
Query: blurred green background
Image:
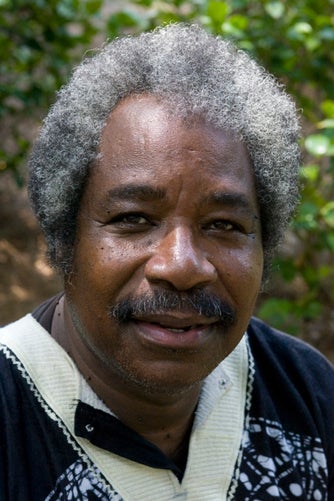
40 42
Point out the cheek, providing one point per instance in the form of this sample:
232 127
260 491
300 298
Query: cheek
105 265
241 271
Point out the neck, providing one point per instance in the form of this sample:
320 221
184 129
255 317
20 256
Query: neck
165 419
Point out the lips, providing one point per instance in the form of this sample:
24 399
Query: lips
175 332
172 329
178 330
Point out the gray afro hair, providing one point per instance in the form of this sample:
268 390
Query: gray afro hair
196 73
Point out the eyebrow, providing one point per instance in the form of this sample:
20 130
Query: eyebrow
141 192
147 193
228 199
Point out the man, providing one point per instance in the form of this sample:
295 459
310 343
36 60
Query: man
163 178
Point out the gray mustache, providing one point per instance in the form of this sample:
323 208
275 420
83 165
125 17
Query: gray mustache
195 301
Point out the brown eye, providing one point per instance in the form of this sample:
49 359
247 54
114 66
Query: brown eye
133 219
130 222
222 225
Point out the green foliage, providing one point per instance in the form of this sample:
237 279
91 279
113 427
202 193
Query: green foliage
294 40
39 41
312 266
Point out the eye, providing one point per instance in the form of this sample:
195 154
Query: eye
130 221
223 225
133 219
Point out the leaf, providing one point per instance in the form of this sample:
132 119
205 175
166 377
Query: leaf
299 31
279 312
217 11
307 216
327 108
302 28
317 144
328 123
330 240
327 33
327 212
235 26
93 6
287 269
310 172
325 271
275 9
313 310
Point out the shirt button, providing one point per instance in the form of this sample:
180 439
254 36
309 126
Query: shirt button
222 383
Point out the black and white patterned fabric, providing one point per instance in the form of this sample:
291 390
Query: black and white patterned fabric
268 469
80 482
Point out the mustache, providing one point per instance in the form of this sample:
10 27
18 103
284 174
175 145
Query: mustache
195 301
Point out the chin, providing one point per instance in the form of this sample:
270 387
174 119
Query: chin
165 380
163 388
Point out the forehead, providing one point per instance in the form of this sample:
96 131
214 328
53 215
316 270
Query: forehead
155 118
145 141
143 123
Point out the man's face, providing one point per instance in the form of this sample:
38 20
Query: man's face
168 257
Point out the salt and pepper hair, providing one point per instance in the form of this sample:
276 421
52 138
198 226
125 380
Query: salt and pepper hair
194 73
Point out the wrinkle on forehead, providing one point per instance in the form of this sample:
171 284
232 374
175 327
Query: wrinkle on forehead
144 127
157 113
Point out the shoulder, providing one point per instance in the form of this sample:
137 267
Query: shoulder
293 385
22 328
14 338
284 347
297 376
20 342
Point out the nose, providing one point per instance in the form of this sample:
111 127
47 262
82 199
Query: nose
180 262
